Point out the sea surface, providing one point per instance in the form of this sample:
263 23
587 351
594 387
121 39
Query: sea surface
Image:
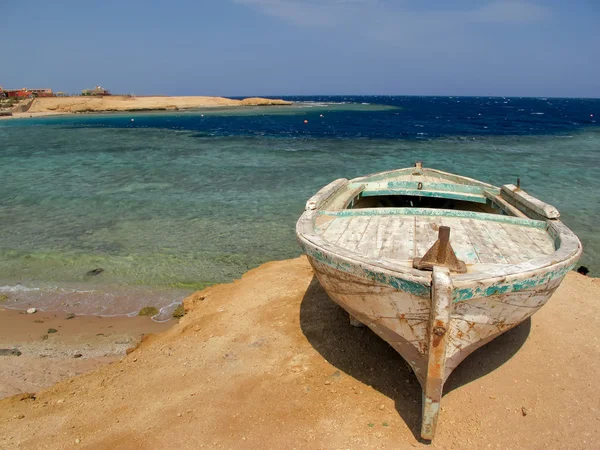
169 202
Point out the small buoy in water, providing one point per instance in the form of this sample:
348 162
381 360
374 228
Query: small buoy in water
320 115
201 115
591 115
133 120
305 121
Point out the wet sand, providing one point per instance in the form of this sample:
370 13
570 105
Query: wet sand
48 357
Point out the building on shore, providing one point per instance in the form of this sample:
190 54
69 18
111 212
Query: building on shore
2 93
98 90
18 93
28 93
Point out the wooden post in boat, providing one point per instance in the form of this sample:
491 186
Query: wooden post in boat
440 254
441 305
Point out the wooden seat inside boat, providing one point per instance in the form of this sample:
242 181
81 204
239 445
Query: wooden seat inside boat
478 239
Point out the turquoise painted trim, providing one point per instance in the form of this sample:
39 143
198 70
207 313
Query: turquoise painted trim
425 172
429 186
436 213
411 287
461 295
421 290
423 193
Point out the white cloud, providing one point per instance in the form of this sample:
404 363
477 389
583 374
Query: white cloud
310 13
508 12
328 13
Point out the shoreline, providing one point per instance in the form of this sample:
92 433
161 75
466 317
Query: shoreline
53 106
108 300
78 345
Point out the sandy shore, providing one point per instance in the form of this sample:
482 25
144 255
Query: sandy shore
48 357
70 105
270 362
26 115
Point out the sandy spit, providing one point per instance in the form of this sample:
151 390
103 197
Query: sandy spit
270 362
125 103
46 106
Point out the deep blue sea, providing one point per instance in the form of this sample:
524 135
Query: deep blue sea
169 202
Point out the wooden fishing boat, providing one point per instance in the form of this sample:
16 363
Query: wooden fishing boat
436 264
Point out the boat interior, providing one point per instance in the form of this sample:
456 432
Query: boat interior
415 201
396 216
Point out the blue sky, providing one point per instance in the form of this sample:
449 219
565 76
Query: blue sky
303 47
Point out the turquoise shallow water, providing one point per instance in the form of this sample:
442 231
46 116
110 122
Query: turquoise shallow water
165 208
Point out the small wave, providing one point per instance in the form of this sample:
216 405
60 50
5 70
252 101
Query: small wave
166 312
365 103
538 113
17 288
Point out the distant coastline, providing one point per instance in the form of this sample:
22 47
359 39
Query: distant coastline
46 106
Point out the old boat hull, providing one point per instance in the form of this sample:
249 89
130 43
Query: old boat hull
408 319
434 319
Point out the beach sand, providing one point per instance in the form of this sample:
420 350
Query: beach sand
45 106
270 362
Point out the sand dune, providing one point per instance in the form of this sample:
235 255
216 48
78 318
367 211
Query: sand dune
270 362
126 103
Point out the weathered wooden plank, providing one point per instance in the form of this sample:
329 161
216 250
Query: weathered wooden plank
460 242
425 175
434 185
504 242
520 241
542 241
485 317
336 229
523 198
318 200
426 233
482 243
504 205
353 234
384 236
429 212
399 245
403 237
368 243
344 198
441 308
322 223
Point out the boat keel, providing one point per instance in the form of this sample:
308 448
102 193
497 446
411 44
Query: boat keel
441 304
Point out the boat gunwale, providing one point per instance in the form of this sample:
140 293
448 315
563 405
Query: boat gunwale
459 179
